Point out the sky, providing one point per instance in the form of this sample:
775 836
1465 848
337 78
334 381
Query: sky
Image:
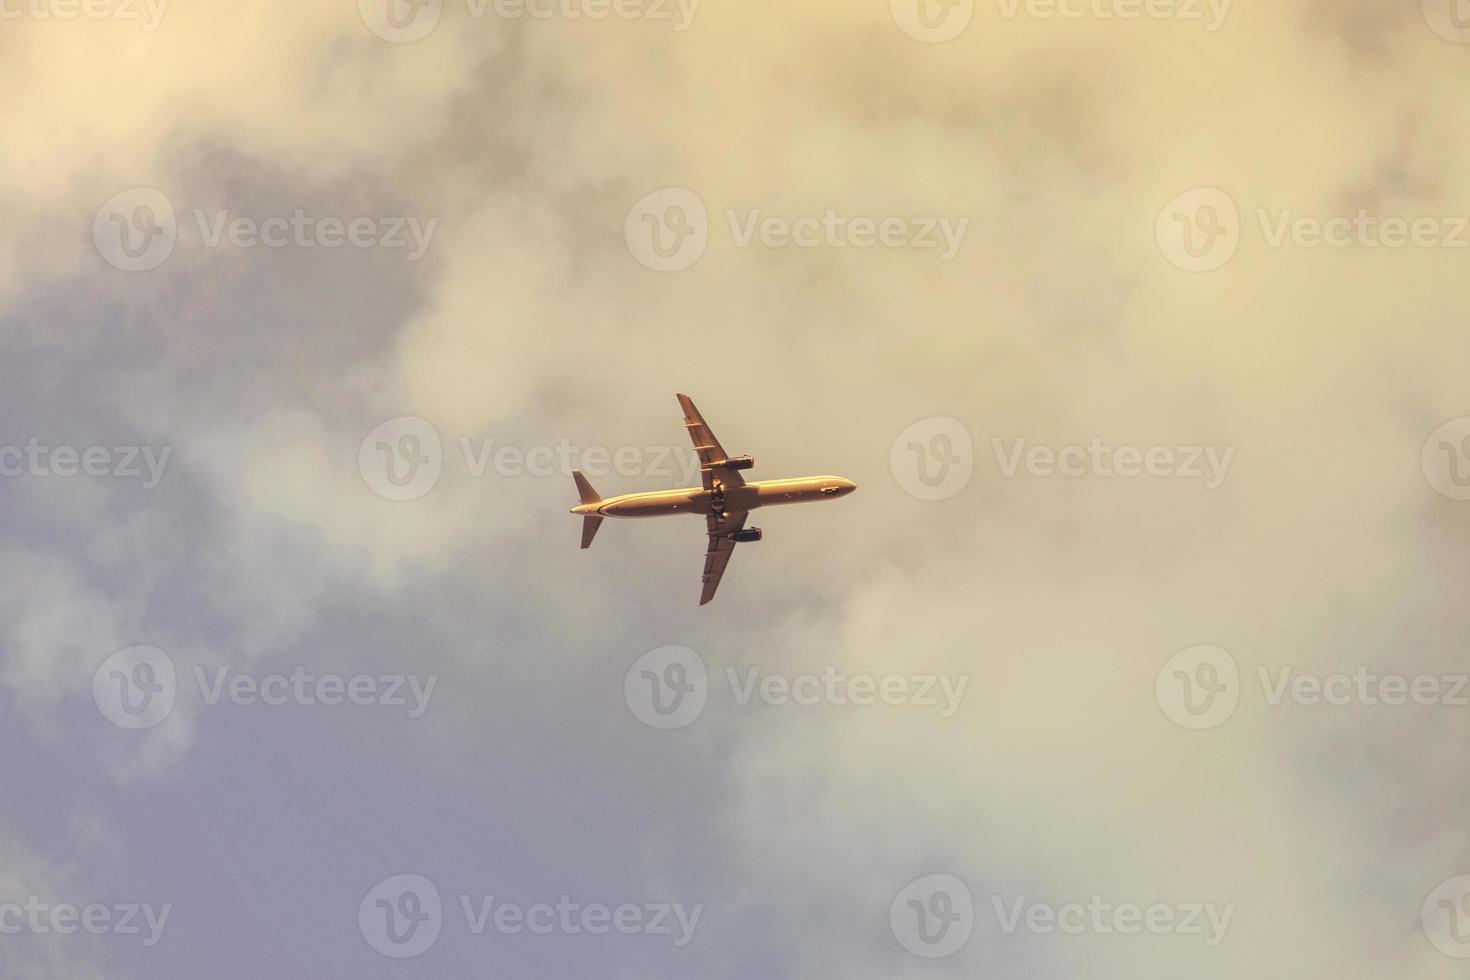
1139 325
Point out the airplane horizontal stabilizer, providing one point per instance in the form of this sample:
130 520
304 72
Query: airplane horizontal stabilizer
589 530
584 489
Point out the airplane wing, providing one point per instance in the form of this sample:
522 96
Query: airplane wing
708 448
721 547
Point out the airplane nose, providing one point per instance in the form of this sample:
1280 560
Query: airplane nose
848 486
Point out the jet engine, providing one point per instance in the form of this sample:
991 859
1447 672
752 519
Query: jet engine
748 534
740 463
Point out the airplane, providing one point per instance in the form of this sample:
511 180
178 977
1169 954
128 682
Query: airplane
724 501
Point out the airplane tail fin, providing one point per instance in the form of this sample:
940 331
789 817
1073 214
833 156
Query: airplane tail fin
584 489
589 530
590 522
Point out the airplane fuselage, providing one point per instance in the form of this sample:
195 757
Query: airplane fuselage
723 499
699 501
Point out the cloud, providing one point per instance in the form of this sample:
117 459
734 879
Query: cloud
1061 319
